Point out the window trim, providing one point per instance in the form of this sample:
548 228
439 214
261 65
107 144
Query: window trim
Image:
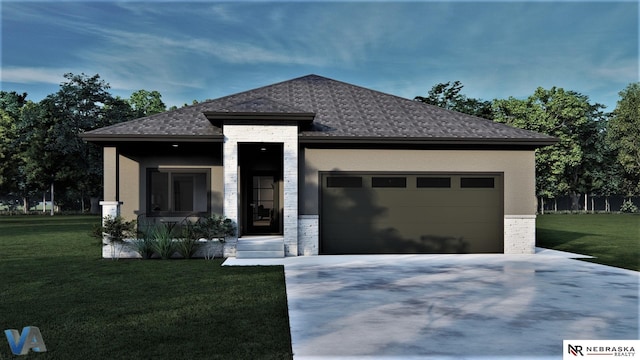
170 201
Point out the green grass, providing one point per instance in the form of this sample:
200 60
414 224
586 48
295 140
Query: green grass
614 239
90 308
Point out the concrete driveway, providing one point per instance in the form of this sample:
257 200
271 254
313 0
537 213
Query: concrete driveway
453 306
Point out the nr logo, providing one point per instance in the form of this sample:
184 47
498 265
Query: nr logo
575 350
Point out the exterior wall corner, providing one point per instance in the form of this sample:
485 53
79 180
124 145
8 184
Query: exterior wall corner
308 235
519 234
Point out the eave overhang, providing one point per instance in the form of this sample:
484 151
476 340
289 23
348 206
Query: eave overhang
150 138
220 119
451 142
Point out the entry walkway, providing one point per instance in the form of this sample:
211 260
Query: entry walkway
453 306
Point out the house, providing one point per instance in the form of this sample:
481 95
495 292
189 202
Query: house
326 167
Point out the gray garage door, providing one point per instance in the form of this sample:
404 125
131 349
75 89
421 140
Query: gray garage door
384 213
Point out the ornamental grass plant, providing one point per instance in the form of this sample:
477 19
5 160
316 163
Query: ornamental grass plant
90 308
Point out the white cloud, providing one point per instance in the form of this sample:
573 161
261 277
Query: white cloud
32 75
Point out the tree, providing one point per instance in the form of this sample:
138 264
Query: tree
448 96
54 153
30 175
623 136
11 104
146 103
7 153
566 167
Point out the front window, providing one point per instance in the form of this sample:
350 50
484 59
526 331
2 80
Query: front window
177 191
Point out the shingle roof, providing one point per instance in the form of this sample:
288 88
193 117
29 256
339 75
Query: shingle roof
343 112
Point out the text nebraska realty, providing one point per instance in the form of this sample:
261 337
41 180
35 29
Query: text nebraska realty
610 350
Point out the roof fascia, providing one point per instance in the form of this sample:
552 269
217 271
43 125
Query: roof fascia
150 138
527 143
254 118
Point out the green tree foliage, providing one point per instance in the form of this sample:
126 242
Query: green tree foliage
52 150
11 104
568 167
623 136
448 95
146 103
7 140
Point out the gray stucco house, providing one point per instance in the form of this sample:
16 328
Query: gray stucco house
324 167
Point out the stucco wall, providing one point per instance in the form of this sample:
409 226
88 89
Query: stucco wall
518 168
132 168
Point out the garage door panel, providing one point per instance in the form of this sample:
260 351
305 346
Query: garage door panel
438 215
450 198
413 219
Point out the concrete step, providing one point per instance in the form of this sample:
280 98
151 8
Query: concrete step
263 246
260 247
259 254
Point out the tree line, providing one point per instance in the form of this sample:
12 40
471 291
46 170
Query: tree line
598 153
41 152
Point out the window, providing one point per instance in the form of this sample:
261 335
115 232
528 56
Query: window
433 182
477 182
177 191
344 182
389 182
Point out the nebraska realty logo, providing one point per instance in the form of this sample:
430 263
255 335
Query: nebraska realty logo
30 339
601 349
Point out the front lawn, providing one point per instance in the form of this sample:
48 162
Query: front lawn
90 308
614 239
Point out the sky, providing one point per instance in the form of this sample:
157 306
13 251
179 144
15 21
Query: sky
207 49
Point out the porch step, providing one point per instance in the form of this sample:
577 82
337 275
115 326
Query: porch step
260 247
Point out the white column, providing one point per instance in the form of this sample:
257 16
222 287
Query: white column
519 234
110 209
282 134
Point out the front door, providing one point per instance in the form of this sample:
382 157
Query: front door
262 205
261 181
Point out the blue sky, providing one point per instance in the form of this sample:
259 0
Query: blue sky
206 49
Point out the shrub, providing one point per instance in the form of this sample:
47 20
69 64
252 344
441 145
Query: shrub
143 246
117 229
215 226
188 241
162 239
628 207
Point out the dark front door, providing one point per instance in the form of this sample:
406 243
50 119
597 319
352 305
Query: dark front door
261 179
262 205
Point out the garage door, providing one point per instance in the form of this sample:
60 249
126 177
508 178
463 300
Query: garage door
384 213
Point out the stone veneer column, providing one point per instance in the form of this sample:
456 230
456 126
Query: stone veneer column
519 234
282 134
308 234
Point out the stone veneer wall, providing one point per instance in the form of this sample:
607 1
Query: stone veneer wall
308 234
282 134
519 234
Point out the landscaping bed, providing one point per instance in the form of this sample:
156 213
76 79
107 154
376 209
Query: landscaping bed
92 308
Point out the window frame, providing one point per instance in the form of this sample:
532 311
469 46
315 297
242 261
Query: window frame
170 173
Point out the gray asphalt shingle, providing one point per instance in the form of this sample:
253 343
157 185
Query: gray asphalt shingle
342 111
